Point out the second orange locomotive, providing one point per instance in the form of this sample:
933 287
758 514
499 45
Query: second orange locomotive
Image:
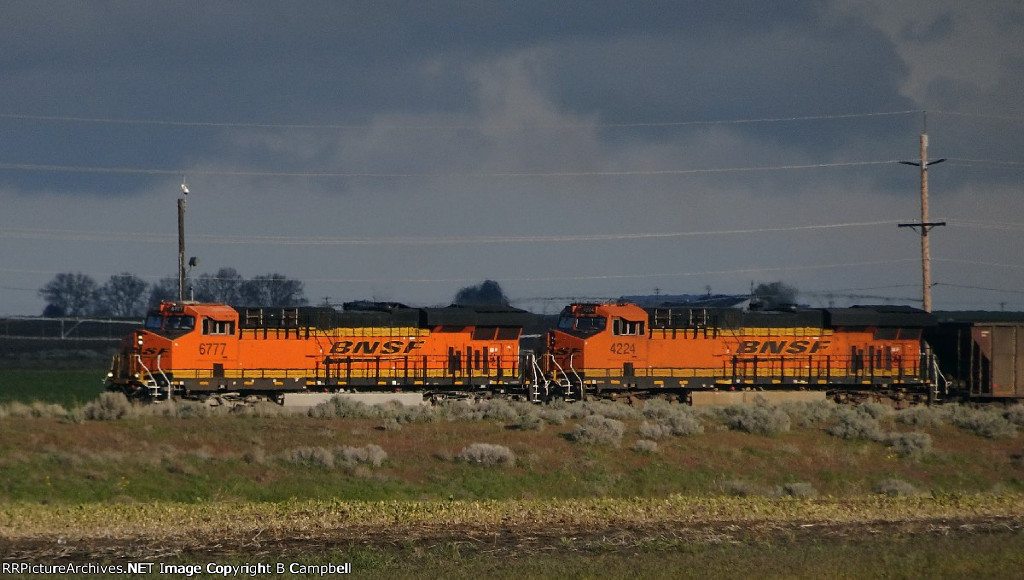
621 347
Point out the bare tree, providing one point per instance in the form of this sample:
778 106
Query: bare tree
165 289
273 290
224 287
70 294
122 296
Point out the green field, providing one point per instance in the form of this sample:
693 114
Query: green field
502 489
68 388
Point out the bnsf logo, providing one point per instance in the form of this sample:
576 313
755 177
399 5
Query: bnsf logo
375 347
782 346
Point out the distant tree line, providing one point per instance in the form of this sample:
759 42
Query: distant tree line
127 295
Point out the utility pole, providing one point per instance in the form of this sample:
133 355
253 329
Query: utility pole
181 241
925 225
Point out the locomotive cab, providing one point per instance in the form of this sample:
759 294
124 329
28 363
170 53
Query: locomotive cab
607 336
173 336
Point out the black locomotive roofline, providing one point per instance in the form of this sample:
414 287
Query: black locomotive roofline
381 314
877 316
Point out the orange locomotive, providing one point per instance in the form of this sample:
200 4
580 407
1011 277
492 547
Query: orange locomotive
612 348
190 349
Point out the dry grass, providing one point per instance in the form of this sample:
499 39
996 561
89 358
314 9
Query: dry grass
338 517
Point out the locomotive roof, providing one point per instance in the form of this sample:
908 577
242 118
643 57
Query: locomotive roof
380 314
885 316
978 316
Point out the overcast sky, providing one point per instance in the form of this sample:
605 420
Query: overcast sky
403 150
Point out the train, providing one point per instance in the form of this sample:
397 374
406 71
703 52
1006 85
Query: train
197 350
617 349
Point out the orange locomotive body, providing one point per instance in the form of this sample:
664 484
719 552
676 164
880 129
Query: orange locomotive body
194 349
621 347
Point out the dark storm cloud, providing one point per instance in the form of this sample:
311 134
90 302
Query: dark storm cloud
376 120
338 63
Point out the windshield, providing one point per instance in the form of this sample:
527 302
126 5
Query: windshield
156 322
582 324
180 323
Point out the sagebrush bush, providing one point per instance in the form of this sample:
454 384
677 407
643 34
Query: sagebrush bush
529 422
370 454
500 410
35 410
342 408
741 488
261 409
684 424
757 419
857 425
645 446
921 416
913 445
611 410
659 408
652 430
390 424
988 423
313 456
482 410
896 487
797 490
487 454
109 406
875 410
804 414
595 429
552 415
1015 414
256 456
191 410
323 457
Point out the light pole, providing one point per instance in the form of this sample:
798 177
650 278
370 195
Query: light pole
925 225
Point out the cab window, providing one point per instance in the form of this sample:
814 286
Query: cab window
218 327
623 327
154 322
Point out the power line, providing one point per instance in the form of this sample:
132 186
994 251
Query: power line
747 270
986 162
106 236
41 168
962 223
968 287
978 116
438 126
977 263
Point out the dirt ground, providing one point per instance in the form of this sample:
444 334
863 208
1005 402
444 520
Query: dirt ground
513 542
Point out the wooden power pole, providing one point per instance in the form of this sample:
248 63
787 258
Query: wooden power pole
925 225
181 249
